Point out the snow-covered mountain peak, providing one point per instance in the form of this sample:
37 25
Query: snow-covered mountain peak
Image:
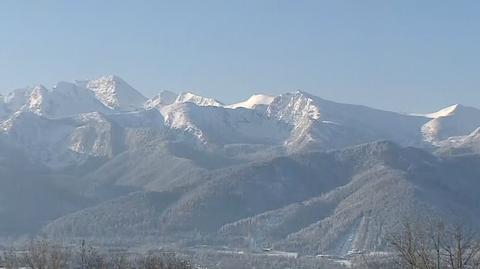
64 100
453 121
115 93
188 97
294 107
30 99
254 101
444 112
164 98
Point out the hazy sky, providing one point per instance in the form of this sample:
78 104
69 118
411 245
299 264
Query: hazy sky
398 55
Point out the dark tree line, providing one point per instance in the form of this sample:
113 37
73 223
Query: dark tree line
428 245
436 246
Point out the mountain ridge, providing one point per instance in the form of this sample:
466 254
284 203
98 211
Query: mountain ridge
294 171
303 202
295 121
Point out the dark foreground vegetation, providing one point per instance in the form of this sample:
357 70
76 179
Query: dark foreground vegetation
42 254
428 245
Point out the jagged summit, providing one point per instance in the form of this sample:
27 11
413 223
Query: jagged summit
295 120
453 121
189 97
294 107
160 100
115 93
108 93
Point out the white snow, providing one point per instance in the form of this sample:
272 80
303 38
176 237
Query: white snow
254 101
441 113
107 94
115 93
160 100
43 139
450 123
221 125
72 121
37 102
64 100
332 124
293 108
188 97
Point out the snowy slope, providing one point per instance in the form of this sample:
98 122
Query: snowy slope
44 140
115 93
445 112
460 145
64 100
450 122
219 125
107 94
331 125
470 143
108 106
295 120
59 143
160 100
254 101
68 141
188 97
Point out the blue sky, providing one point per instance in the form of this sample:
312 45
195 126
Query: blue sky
397 55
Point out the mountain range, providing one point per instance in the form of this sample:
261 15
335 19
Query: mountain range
98 160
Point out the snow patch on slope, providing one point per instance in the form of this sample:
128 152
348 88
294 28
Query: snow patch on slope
298 110
294 108
443 112
64 100
451 122
160 100
115 93
221 126
62 142
254 101
188 97
44 140
94 137
332 125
